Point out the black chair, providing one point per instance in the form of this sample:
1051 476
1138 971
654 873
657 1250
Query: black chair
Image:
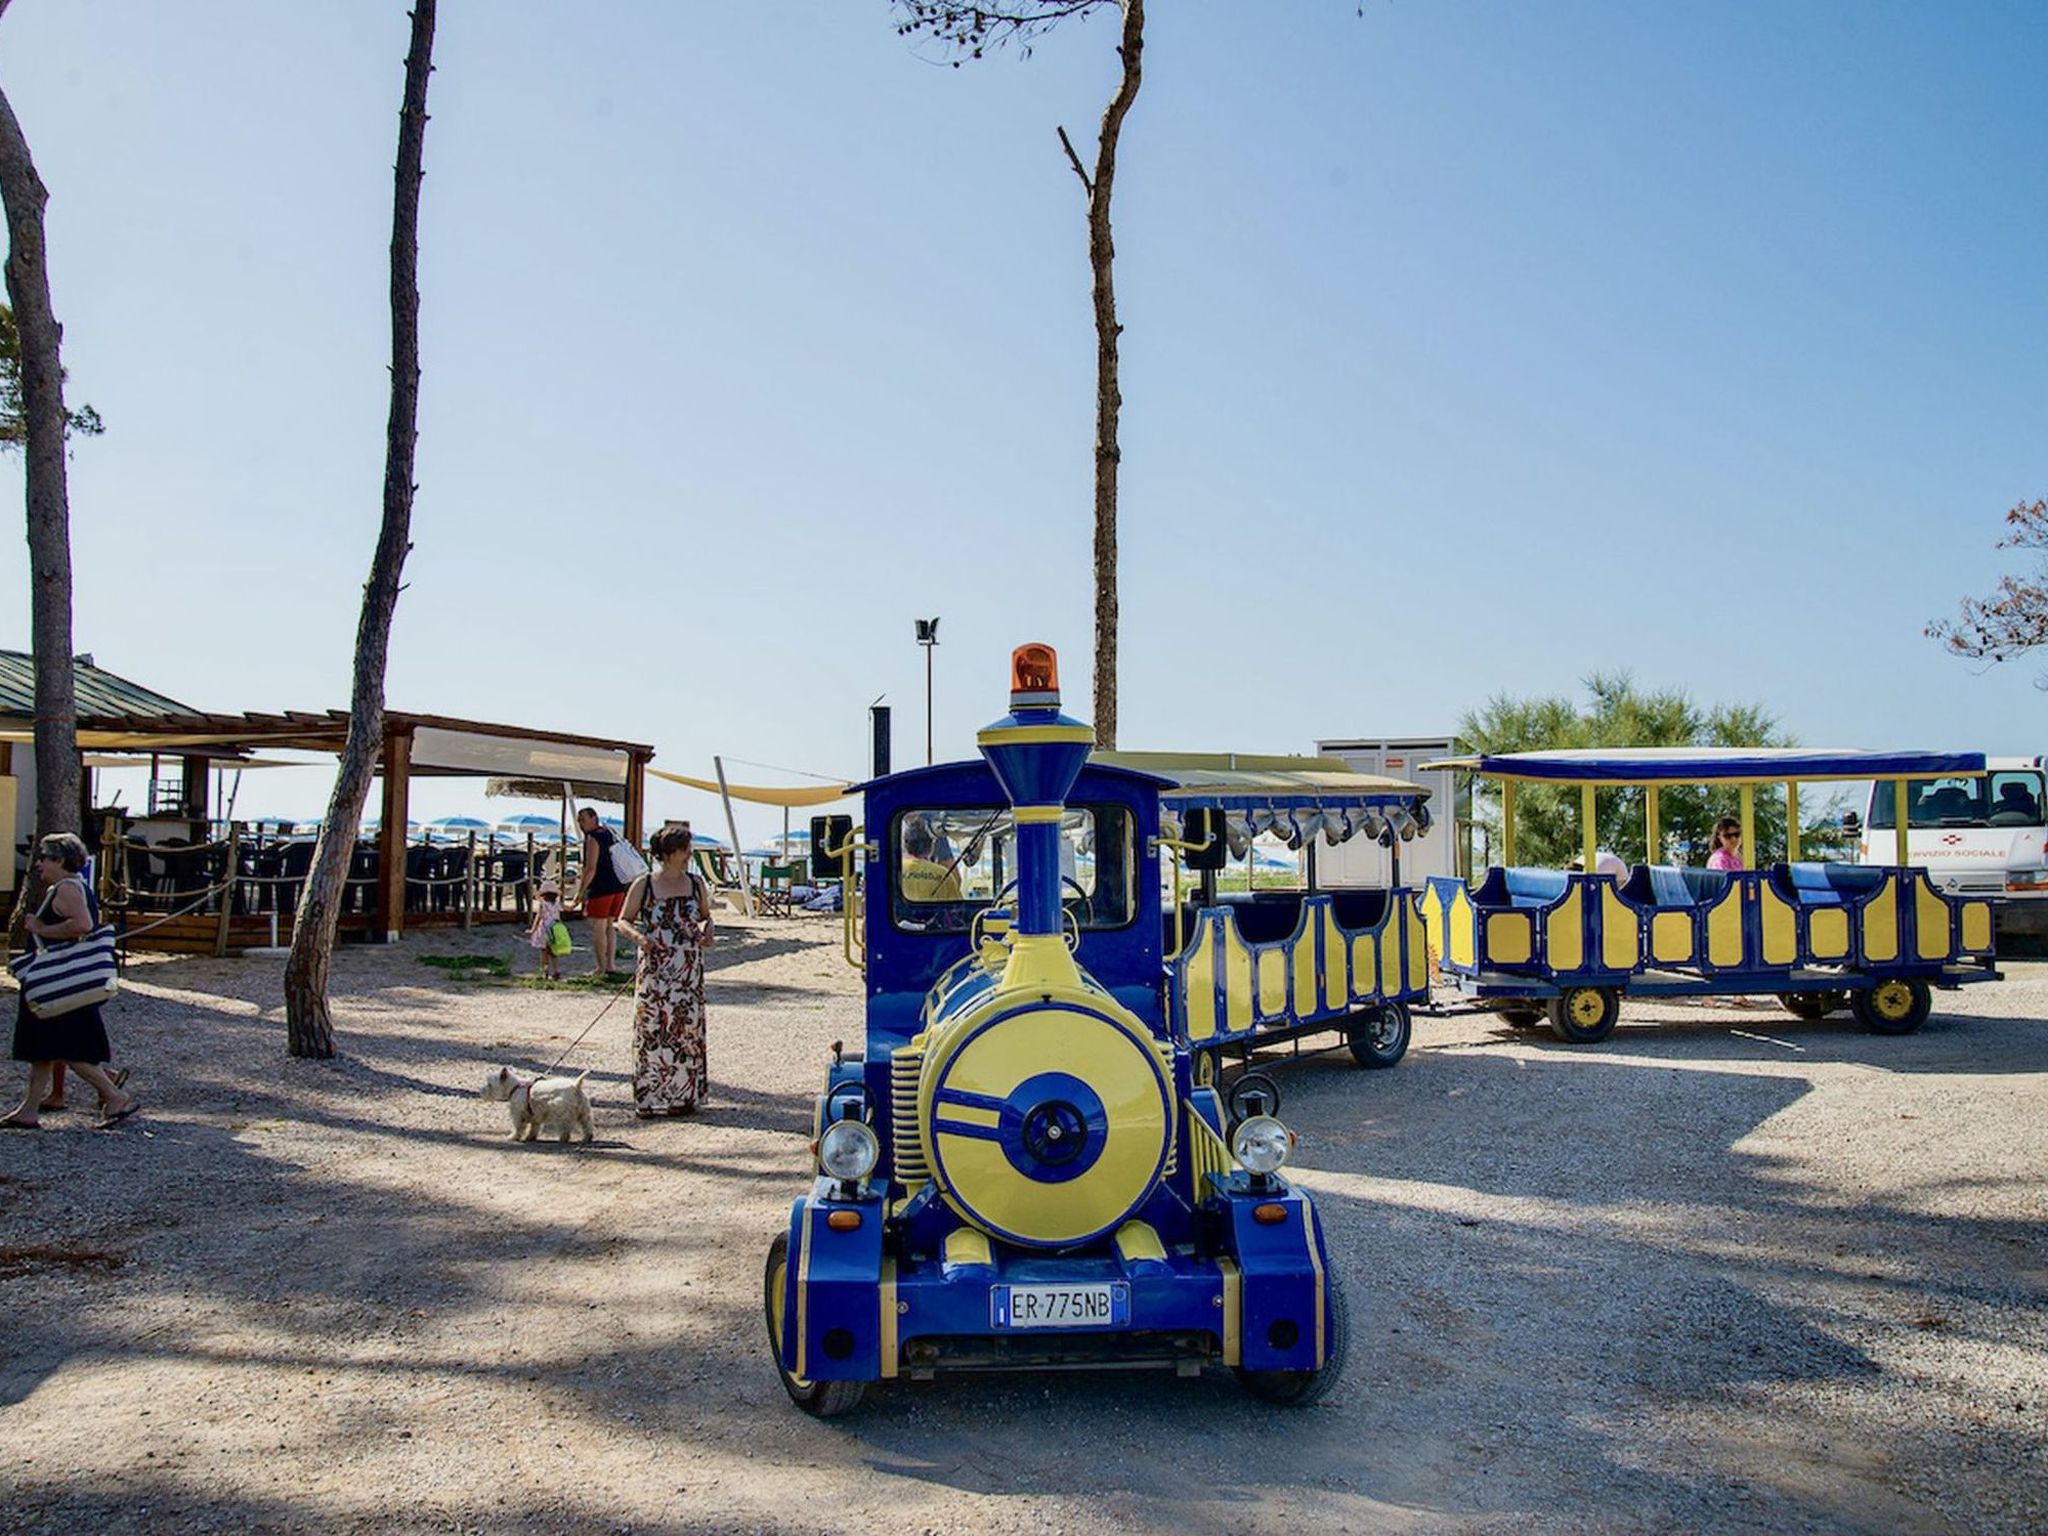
364 869
422 863
294 864
508 868
449 870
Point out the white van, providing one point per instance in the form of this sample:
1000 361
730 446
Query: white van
1981 836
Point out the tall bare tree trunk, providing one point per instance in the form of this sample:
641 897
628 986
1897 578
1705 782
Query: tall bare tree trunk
49 498
309 1022
1108 397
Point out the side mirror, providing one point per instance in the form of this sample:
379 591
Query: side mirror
1204 828
829 835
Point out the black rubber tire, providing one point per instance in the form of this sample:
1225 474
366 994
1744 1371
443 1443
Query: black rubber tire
1240 1087
820 1399
1893 1007
1521 1016
1585 1015
1813 1006
1298 1389
1379 1037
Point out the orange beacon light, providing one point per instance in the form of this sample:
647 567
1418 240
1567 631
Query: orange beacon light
1034 675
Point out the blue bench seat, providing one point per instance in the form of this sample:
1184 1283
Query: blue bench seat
1673 886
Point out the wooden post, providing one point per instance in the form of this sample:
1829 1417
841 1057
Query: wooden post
636 799
389 908
227 895
110 848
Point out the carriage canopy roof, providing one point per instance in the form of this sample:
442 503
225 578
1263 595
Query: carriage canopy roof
1714 765
1235 781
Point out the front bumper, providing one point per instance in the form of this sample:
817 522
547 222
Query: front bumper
1257 1299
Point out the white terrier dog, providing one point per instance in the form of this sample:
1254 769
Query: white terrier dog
557 1105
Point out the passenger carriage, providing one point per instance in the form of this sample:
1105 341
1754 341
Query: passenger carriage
1877 940
1024 1166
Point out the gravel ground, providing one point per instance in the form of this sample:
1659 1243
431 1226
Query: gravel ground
1728 1271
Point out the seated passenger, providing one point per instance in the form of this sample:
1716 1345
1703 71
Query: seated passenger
924 879
1605 862
1725 845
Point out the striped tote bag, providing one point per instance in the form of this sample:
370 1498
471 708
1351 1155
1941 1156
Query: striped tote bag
67 977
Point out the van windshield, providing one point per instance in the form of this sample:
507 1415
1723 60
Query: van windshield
2012 799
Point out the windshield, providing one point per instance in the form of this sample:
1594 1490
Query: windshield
2011 799
949 864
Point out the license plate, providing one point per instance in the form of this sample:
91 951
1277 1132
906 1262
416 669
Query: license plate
1106 1304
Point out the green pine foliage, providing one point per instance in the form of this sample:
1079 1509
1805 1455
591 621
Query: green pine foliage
1616 713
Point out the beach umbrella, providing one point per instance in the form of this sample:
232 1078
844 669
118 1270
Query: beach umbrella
458 824
532 822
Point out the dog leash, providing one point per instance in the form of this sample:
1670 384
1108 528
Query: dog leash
607 1008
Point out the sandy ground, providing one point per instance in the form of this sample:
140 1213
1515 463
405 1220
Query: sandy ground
1728 1271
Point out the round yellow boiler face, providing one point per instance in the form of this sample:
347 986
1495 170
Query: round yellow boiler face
1050 1126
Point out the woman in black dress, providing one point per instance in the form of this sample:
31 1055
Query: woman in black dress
68 910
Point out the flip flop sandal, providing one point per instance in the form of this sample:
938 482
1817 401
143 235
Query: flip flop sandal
12 1124
120 1114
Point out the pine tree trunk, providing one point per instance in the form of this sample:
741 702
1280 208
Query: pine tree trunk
49 499
1108 397
309 1022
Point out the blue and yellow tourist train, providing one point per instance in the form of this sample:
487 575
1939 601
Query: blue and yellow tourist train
1028 1164
1875 939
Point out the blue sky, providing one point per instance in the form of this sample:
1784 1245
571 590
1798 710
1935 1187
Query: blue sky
1468 349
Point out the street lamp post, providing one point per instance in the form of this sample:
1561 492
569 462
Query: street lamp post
928 636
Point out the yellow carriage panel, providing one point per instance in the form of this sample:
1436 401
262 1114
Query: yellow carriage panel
1336 970
1976 925
1827 933
1881 922
1724 929
1510 938
1237 981
1365 964
1671 938
1272 981
1198 984
1304 956
1418 950
1780 925
1564 943
1621 935
1934 919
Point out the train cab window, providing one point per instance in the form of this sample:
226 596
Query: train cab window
946 865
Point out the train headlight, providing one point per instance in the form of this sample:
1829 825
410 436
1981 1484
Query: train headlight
848 1151
1261 1144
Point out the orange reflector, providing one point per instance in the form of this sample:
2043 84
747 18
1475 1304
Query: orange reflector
1034 669
843 1221
1269 1214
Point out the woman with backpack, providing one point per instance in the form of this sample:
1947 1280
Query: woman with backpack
68 911
602 886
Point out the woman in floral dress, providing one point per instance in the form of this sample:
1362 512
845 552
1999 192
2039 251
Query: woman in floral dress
667 913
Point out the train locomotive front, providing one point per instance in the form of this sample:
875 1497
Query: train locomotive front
1019 1170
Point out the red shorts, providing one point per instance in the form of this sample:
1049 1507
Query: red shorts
604 906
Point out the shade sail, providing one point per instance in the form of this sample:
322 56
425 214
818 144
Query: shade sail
1714 765
1238 781
759 794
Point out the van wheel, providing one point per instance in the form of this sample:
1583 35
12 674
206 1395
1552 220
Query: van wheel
821 1399
1893 1007
1585 1015
1379 1036
1298 1389
1813 1005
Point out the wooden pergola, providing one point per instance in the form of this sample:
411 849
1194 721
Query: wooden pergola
414 746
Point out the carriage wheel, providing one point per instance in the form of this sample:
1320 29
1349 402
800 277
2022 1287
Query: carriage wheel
1379 1036
822 1399
1585 1015
1813 1005
1893 1007
1520 1015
